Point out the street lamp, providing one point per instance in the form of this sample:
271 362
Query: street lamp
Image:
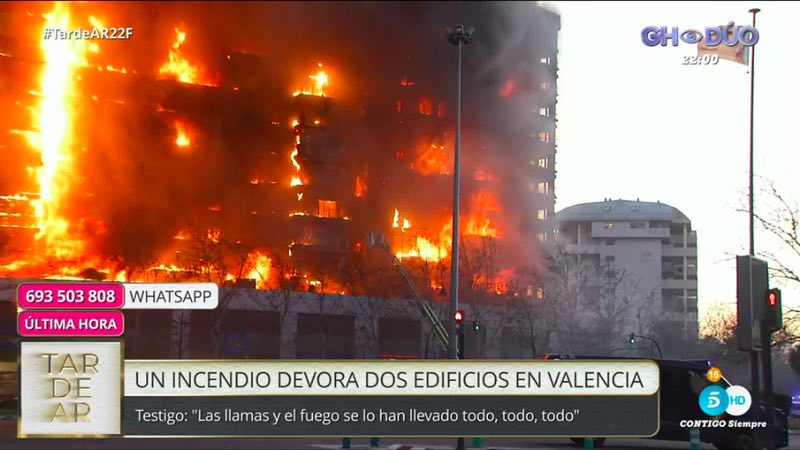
459 36
632 339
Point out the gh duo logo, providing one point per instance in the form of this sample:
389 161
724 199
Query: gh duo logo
735 401
713 36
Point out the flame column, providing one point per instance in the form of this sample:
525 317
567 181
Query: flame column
458 36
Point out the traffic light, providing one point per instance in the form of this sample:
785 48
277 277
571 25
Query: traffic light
476 325
773 310
632 339
459 318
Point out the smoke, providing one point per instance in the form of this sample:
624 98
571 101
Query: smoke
134 191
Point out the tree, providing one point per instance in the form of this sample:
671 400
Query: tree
593 304
486 284
532 317
780 219
719 325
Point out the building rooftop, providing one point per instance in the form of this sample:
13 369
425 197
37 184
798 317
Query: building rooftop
622 210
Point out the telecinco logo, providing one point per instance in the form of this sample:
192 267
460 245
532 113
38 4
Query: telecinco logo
715 400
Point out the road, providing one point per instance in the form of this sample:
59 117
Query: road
332 444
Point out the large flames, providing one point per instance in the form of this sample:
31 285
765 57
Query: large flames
315 85
56 139
177 67
479 223
260 273
54 119
431 160
182 139
436 248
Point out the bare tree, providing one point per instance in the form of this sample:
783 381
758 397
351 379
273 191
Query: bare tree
531 313
780 219
592 303
719 325
501 297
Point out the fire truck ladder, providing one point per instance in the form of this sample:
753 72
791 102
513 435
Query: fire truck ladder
436 324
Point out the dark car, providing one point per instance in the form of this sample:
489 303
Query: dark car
681 383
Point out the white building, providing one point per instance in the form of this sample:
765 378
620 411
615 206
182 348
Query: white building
653 242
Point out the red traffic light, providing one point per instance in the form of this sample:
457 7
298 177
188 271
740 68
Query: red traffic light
459 316
772 297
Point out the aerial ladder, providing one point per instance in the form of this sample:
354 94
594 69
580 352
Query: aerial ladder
377 240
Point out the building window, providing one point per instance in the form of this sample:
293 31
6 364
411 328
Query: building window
543 85
545 60
672 303
327 208
425 106
441 112
399 106
610 258
400 154
610 241
543 187
637 225
541 214
543 162
542 238
608 226
544 111
544 136
540 293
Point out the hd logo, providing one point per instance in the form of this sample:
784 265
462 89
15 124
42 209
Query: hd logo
715 400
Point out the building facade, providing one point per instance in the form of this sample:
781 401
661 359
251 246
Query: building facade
652 242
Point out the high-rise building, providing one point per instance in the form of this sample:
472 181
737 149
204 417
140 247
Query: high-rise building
652 242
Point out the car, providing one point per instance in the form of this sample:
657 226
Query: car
680 386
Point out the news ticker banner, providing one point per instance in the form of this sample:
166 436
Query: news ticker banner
93 309
85 389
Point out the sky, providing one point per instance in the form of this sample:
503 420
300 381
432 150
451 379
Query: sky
634 122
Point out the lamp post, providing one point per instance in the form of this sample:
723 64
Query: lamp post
459 36
633 338
755 381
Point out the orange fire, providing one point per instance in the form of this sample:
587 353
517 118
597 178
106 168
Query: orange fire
214 235
183 235
182 139
361 187
420 246
262 265
296 181
54 120
431 160
316 85
479 223
499 283
177 67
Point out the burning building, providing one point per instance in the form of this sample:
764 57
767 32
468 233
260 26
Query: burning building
247 143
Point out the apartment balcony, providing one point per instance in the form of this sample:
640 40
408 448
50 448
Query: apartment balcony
669 250
624 230
584 249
